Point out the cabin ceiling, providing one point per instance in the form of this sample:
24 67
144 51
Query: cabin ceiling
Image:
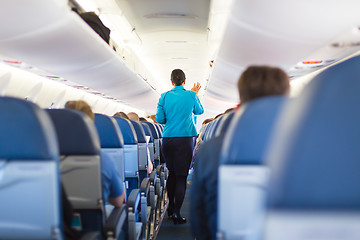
153 37
165 34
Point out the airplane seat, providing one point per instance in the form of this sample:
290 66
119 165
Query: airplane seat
224 124
142 148
145 207
151 147
208 130
160 128
134 215
156 135
131 154
81 171
159 170
203 131
314 157
217 122
30 195
111 140
242 173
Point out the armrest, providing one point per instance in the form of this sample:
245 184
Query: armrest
153 177
133 200
91 236
144 187
159 168
162 179
115 222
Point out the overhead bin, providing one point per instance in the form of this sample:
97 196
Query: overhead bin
48 35
282 33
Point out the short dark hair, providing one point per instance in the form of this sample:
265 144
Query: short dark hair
177 77
261 81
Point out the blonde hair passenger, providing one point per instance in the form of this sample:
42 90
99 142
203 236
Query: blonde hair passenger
82 106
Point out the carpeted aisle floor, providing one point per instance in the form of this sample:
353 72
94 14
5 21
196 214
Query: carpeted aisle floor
169 231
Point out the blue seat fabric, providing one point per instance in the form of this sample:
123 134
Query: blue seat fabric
127 130
153 129
140 133
248 135
316 152
109 132
69 124
26 134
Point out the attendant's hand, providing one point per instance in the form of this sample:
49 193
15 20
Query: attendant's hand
196 87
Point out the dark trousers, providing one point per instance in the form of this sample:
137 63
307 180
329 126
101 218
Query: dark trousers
178 155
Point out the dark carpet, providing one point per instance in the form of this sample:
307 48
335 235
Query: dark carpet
178 232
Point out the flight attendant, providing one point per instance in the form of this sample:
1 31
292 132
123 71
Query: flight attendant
176 109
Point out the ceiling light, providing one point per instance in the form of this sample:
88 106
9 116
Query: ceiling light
171 15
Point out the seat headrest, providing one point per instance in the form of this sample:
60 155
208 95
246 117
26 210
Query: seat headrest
26 131
109 132
147 131
248 135
76 132
153 128
127 130
208 130
224 124
139 131
217 123
315 154
160 128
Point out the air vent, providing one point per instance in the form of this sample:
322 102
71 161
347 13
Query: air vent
330 60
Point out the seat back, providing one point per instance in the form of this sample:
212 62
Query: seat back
111 140
242 189
160 129
80 164
315 160
151 146
29 173
131 153
224 124
142 149
217 123
156 135
241 200
208 130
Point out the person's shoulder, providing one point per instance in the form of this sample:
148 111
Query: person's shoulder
191 93
106 161
164 94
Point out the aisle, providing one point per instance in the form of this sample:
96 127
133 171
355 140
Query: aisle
169 231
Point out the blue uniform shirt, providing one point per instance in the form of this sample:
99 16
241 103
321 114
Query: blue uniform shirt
175 109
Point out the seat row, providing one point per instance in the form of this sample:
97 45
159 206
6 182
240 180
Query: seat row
39 147
289 168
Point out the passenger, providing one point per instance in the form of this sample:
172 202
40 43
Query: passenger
142 119
121 114
206 121
255 82
133 116
175 109
112 185
152 117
